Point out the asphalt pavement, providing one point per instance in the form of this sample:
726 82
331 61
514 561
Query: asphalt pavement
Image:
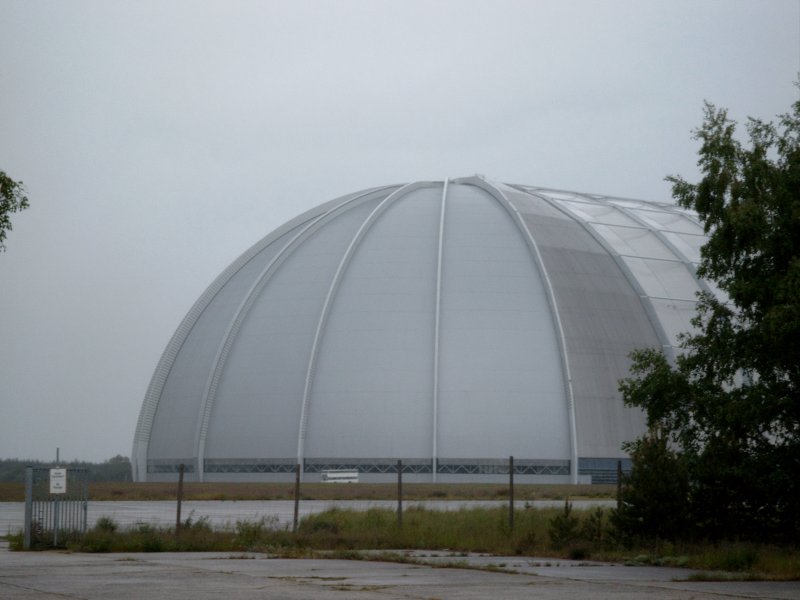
233 576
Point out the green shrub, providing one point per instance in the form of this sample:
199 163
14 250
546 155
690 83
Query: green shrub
147 538
594 528
733 557
97 540
326 522
654 502
106 524
201 525
16 540
564 528
250 534
526 542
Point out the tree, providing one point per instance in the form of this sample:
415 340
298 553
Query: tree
12 199
654 502
730 406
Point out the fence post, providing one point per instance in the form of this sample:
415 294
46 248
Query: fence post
56 523
181 469
85 500
511 493
619 483
296 496
399 493
26 544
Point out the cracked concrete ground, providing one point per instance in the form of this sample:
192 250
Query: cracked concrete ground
233 576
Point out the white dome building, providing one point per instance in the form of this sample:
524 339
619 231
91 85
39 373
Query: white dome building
448 324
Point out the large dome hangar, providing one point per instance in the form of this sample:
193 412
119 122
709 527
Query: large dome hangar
448 324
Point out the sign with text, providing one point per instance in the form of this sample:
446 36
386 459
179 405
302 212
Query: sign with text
58 481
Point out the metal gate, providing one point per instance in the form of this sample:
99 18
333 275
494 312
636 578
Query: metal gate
55 505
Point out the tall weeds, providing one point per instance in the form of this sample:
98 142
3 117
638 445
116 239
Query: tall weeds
537 532
464 530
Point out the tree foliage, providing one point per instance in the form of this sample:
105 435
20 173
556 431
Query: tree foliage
116 468
730 405
654 502
12 199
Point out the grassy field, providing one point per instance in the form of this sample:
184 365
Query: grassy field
350 534
338 533
15 492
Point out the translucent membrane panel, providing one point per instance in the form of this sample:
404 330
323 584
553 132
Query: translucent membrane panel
372 390
598 213
687 244
257 408
635 242
603 321
675 316
501 387
669 221
174 432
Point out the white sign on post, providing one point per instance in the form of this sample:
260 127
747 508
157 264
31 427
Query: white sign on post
58 481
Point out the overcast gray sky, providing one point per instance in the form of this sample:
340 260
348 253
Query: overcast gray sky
159 140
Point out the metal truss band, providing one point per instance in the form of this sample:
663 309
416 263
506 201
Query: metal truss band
603 470
500 467
452 466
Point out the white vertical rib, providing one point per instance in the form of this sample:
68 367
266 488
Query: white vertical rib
232 331
326 307
500 197
144 426
435 448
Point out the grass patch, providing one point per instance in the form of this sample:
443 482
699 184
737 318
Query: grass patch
459 531
751 561
375 535
130 491
723 576
732 561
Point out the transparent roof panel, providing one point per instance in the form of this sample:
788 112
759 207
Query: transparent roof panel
635 241
669 221
598 213
663 279
555 194
676 317
690 214
687 244
528 203
685 212
628 203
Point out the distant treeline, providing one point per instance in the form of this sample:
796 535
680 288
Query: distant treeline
117 468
